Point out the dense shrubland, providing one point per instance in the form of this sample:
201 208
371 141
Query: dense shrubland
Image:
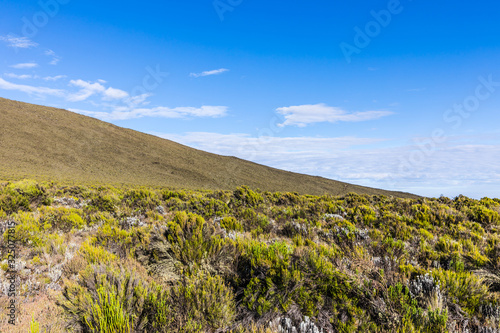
157 260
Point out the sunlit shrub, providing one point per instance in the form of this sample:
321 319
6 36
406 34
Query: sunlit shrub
31 190
62 218
95 254
462 288
105 300
141 199
28 230
11 202
230 223
246 197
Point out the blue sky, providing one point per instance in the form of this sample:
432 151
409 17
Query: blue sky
401 95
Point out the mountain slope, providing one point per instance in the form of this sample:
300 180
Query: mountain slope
48 143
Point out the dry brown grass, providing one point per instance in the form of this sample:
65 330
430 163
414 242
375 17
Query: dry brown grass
54 144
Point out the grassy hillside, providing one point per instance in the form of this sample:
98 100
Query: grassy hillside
102 259
54 144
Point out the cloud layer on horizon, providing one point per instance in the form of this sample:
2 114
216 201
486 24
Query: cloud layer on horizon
348 159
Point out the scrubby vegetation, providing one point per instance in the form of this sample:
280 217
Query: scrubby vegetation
158 260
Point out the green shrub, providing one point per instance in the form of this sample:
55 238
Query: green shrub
123 242
95 254
141 199
28 230
246 197
484 215
11 202
190 242
463 288
105 299
230 223
104 202
203 303
31 190
61 218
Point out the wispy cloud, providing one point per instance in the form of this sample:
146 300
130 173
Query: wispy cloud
18 42
39 91
301 115
208 73
157 112
123 113
55 57
16 76
54 78
25 65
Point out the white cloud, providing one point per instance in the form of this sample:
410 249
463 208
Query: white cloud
301 115
112 93
25 65
54 78
207 73
124 113
16 76
87 89
134 101
39 91
18 42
